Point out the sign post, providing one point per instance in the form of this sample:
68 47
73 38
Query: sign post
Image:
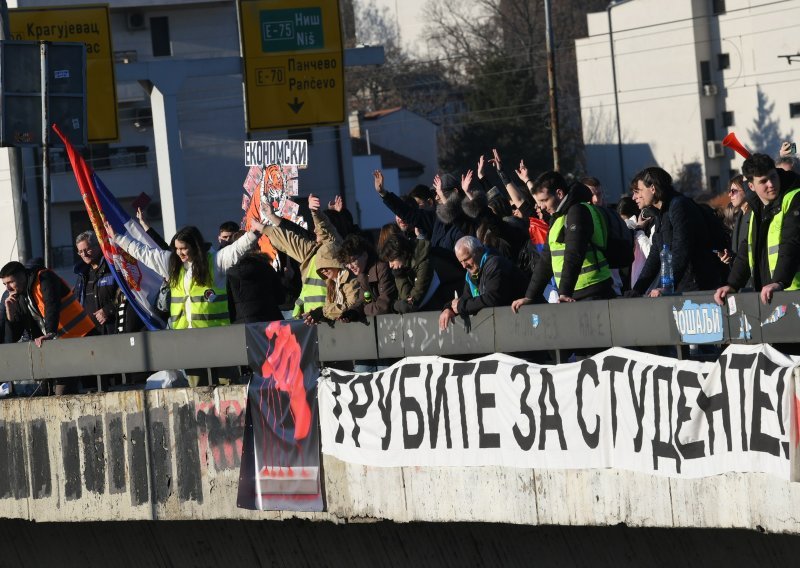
293 63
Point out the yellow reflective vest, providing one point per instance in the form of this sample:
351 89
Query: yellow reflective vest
313 293
773 242
207 304
595 265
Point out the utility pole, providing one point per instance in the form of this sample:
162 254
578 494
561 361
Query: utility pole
16 170
611 5
46 198
551 80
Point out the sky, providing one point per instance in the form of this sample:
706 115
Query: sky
410 15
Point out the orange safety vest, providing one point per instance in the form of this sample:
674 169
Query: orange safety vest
73 321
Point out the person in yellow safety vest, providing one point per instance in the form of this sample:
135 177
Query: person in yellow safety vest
43 306
771 251
573 253
328 289
196 277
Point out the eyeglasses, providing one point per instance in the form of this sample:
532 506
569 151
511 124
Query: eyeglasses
734 191
85 252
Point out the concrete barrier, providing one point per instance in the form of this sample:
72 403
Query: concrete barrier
174 455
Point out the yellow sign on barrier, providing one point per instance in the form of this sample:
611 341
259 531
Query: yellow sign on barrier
90 25
293 63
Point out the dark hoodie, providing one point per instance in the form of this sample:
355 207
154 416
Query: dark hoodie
576 236
254 290
761 218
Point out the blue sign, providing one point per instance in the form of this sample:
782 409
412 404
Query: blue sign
699 323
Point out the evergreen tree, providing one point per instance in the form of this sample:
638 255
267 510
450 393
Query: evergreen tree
766 135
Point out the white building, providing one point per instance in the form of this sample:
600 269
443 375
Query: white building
181 56
688 72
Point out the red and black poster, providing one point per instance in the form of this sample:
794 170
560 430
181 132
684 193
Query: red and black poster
280 454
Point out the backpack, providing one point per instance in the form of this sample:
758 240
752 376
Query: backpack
619 243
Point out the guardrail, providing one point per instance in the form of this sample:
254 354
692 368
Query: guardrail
641 322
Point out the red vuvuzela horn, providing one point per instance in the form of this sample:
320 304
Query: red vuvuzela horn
730 141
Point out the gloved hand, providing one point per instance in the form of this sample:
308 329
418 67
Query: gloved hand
351 315
403 307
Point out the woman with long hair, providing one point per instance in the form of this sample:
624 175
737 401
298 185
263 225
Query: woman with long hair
737 192
196 276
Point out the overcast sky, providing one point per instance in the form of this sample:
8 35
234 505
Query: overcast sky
409 13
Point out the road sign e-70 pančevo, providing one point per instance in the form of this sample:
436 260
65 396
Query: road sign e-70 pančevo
293 64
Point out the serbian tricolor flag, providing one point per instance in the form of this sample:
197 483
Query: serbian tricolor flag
537 230
139 283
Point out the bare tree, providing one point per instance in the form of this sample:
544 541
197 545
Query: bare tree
420 86
481 41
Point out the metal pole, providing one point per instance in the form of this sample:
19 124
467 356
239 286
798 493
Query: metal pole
616 96
16 170
48 260
551 79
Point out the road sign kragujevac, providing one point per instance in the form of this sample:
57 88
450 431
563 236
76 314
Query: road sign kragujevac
91 26
293 63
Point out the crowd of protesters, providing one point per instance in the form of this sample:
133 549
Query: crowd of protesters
491 238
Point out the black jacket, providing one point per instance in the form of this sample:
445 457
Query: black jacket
789 252
577 236
254 290
500 282
105 293
741 225
695 265
442 235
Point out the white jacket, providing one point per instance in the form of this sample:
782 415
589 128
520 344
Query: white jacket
158 260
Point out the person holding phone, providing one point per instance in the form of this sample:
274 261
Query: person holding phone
786 159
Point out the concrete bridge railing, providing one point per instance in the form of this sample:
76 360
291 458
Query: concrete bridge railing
174 454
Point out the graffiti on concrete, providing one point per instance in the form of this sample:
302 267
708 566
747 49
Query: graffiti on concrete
153 456
221 428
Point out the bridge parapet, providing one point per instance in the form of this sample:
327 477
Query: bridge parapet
174 454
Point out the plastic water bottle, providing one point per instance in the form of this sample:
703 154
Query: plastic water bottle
667 280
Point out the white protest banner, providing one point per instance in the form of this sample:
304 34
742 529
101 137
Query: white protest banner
621 408
281 152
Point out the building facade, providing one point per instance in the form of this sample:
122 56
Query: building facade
181 58
687 73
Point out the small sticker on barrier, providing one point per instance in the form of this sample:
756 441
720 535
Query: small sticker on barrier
776 314
731 305
744 327
535 320
133 341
